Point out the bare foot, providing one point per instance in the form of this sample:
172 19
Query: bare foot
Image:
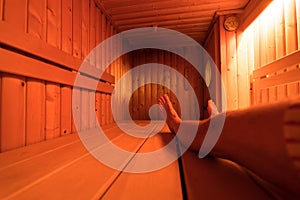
173 120
212 108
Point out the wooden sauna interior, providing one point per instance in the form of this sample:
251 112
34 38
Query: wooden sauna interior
44 42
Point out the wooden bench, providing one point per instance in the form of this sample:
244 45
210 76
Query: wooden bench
62 168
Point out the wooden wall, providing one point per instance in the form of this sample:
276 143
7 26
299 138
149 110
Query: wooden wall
274 34
42 44
147 95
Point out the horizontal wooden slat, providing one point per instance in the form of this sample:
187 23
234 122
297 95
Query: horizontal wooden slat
86 174
15 63
287 77
41 49
275 66
149 185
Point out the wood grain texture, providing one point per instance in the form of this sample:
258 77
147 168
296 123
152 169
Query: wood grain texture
37 19
66 110
53 109
35 111
13 105
67 26
54 26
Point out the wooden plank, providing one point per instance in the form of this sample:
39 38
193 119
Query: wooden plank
135 83
37 19
103 109
92 119
76 107
293 89
263 37
284 78
54 26
265 95
98 37
154 87
67 26
85 28
107 108
15 15
279 64
142 97
41 49
1 9
35 111
13 100
66 110
72 168
224 177
282 92
232 92
273 94
28 67
66 151
290 26
85 109
242 74
76 36
53 109
103 37
252 11
92 31
148 90
149 185
98 107
280 32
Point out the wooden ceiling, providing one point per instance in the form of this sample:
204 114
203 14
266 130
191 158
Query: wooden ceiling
191 17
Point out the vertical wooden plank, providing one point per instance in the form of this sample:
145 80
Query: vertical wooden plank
92 31
66 111
54 23
242 73
92 119
76 108
273 94
148 90
67 22
13 101
160 73
84 109
154 94
290 26
107 54
135 83
85 28
257 49
280 32
282 92
271 41
52 110
103 37
231 86
15 13
223 56
98 36
77 29
37 18
98 106
167 81
1 11
107 104
263 36
265 96
103 109
35 111
142 113
292 90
